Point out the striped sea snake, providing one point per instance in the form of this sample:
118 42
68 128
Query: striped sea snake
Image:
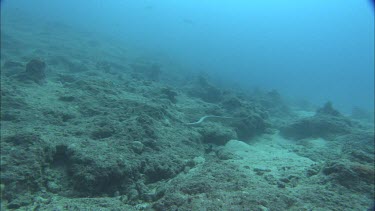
209 116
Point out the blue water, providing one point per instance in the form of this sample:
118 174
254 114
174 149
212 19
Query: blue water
318 50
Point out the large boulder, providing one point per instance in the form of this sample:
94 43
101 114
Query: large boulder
205 91
34 71
326 123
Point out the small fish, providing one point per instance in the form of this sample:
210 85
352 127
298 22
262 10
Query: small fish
149 7
188 21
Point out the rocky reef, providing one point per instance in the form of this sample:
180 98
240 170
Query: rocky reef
90 126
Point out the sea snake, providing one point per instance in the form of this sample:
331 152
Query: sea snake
209 116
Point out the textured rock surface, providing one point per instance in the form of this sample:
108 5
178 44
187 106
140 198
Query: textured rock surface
102 129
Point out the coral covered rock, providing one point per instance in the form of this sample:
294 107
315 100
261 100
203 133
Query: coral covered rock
204 90
216 134
326 123
352 175
35 70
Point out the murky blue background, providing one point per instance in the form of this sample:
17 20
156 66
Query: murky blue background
318 50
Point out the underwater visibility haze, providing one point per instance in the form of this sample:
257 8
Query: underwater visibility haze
187 105
316 50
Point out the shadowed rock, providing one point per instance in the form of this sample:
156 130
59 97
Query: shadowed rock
35 71
326 123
